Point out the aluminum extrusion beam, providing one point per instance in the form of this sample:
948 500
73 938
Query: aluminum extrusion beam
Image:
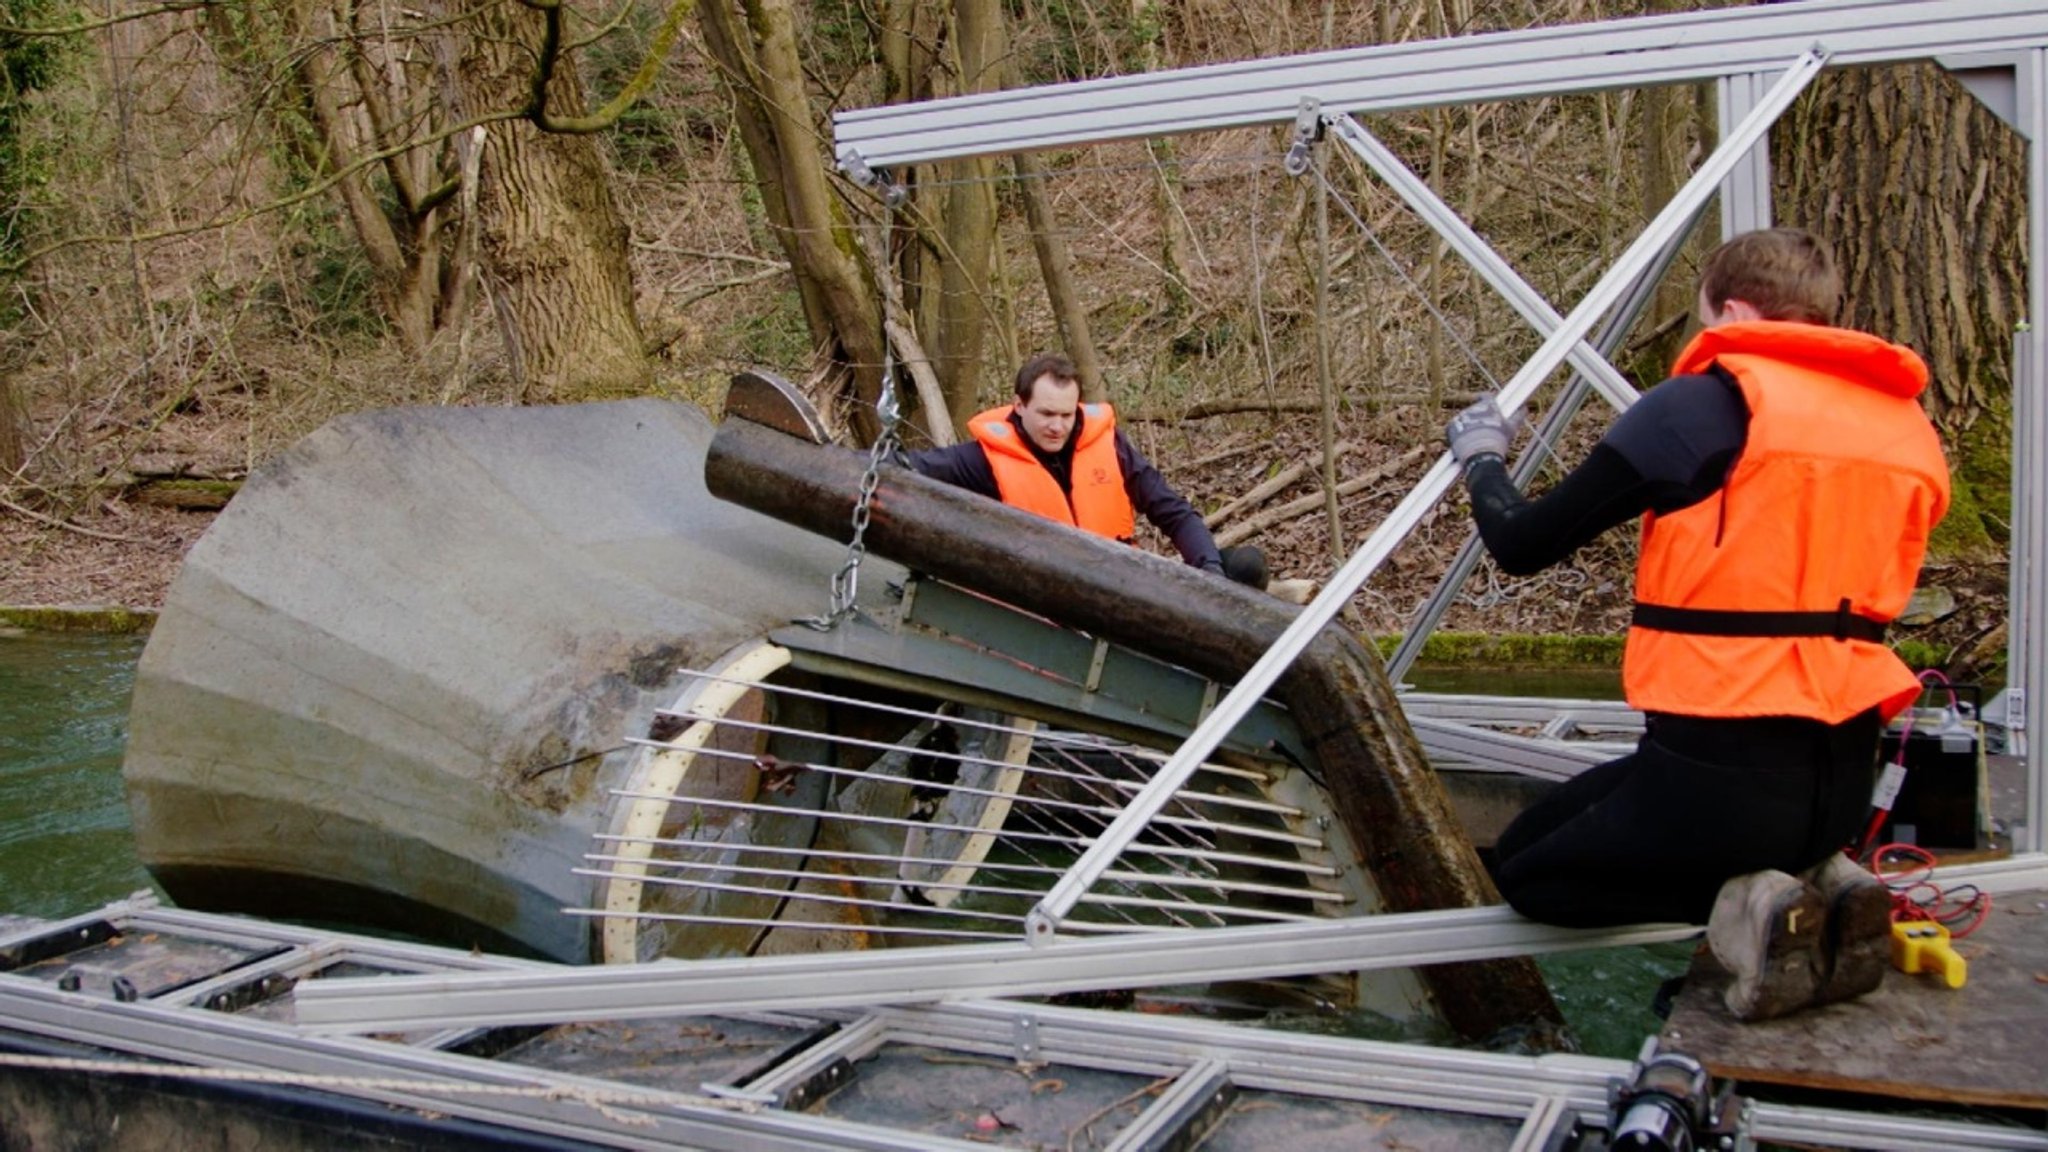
789 1082
1746 197
1595 56
1546 1127
1177 1115
1452 1080
1446 1079
1475 709
2028 656
796 983
520 1098
1546 1091
1548 759
1060 900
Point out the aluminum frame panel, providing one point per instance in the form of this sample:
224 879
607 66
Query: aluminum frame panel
2027 634
1613 285
525 1099
1746 195
1674 49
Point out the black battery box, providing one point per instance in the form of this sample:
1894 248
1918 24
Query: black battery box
1943 801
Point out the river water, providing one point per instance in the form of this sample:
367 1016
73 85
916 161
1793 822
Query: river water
65 845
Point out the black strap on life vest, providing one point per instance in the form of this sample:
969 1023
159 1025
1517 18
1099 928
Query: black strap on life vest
1841 624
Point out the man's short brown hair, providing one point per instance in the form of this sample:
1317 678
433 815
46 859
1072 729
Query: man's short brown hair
1784 273
1044 364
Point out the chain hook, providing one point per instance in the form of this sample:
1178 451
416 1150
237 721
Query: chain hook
846 581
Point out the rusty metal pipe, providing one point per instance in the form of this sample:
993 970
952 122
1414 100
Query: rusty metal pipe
1378 776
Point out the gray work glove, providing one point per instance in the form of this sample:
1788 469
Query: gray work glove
1480 430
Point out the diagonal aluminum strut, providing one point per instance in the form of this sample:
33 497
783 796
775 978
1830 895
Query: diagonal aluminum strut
800 982
1590 359
1555 420
1491 267
1044 920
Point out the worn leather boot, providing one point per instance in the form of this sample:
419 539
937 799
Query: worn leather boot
1856 944
1766 930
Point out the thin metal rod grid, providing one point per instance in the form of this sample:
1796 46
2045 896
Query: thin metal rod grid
1040 737
1217 857
1221 800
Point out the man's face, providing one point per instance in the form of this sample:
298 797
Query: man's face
1048 416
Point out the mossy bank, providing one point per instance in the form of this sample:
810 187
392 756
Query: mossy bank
100 618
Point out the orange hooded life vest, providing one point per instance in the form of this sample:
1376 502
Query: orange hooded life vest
1771 597
1098 502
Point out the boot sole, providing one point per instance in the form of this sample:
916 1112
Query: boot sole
1858 942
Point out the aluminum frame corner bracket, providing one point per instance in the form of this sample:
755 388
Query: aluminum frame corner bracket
1308 129
1024 1039
876 180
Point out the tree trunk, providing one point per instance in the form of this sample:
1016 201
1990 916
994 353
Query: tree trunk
1165 156
12 450
347 93
552 242
781 134
732 49
981 46
1057 268
913 37
1922 192
905 35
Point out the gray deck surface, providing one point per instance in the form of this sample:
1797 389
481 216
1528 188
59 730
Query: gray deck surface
1914 1038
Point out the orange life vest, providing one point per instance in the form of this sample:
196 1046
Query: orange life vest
1098 503
1771 597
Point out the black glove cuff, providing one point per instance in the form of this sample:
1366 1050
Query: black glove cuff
1474 460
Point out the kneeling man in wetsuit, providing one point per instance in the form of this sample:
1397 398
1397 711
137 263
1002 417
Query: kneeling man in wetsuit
1786 480
1067 461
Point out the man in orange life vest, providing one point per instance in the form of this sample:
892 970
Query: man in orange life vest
1786 480
1051 454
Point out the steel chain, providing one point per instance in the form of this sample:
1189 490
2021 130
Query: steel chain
846 581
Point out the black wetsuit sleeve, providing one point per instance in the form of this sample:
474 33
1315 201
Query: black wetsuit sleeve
1153 498
1527 536
1673 449
962 465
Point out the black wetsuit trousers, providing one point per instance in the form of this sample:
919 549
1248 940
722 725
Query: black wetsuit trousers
1651 836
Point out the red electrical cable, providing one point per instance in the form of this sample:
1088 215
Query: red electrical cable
1929 679
1915 895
